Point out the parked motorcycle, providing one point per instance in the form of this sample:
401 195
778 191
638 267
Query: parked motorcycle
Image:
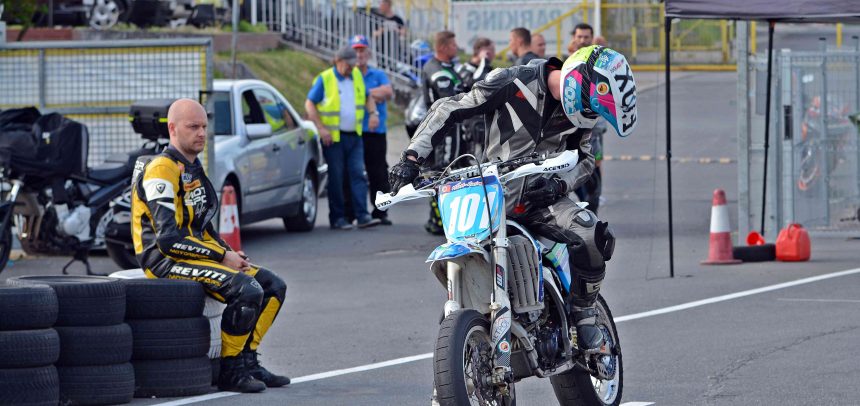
58 205
505 318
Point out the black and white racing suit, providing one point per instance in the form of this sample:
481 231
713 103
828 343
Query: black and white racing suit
522 118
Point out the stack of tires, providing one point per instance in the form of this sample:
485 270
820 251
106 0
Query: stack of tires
28 346
171 337
95 345
212 310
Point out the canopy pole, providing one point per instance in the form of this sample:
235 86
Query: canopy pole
667 24
770 25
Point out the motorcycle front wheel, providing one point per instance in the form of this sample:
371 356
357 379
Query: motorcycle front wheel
463 357
576 387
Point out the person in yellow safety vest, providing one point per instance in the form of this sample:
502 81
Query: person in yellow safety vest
337 103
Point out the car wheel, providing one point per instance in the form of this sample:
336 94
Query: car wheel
305 219
106 13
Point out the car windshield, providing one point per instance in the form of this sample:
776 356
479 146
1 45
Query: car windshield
218 106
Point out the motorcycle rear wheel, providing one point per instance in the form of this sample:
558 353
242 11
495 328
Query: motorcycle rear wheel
577 388
462 358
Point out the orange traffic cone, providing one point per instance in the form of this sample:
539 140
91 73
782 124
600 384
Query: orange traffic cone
720 247
229 222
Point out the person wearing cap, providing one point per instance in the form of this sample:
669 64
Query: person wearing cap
375 145
337 103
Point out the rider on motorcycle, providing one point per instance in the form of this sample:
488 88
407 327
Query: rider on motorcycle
537 108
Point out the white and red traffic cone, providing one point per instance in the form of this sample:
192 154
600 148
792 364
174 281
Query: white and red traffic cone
720 247
229 221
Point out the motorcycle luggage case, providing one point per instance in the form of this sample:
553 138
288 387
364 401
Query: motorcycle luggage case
149 118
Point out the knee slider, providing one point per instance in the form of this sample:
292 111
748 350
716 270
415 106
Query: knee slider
604 238
241 314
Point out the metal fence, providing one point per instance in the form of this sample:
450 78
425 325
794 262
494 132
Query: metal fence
96 82
820 174
324 26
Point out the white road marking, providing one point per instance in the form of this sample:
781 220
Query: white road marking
819 300
196 399
723 298
635 316
362 368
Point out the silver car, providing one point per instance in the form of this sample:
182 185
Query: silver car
271 157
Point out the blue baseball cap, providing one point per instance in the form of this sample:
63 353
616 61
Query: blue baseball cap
359 41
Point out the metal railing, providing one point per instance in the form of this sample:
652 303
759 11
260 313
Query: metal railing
324 26
95 82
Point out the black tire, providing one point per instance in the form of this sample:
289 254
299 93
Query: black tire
27 307
94 345
755 253
163 299
172 378
122 256
448 359
306 217
96 385
170 338
29 386
5 246
29 348
575 388
83 300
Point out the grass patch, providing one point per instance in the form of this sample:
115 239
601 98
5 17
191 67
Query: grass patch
292 73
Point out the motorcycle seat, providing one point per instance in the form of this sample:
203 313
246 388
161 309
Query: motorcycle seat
110 172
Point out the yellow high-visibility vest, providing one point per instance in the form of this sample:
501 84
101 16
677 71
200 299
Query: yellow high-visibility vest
329 108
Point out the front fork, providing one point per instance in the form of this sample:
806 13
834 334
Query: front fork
500 308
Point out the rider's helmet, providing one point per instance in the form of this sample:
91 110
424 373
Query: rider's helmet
597 81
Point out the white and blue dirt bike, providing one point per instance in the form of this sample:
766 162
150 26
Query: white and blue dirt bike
505 316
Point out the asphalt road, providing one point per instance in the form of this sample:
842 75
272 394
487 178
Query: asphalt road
364 297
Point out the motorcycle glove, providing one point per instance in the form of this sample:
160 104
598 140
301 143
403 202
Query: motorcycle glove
543 192
403 173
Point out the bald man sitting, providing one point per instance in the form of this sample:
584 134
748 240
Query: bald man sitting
173 204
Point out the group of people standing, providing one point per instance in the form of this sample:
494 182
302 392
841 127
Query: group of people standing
348 103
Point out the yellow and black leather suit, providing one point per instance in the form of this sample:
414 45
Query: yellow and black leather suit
173 204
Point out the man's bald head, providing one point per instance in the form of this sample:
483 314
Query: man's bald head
186 122
184 109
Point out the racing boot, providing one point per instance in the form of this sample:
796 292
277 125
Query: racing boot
234 376
434 224
262 374
589 337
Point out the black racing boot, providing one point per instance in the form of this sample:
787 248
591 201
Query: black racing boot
589 337
234 376
262 374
